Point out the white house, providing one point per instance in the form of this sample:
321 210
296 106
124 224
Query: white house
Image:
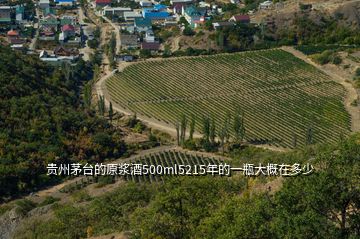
180 1
145 3
265 5
44 4
131 16
149 36
115 11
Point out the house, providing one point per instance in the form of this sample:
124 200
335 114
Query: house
55 60
126 58
115 11
19 11
244 19
64 3
145 3
131 16
181 1
130 29
149 36
177 8
235 1
142 24
49 11
49 21
157 12
14 38
44 4
220 25
265 5
128 41
5 14
62 51
152 46
102 3
194 15
68 30
68 20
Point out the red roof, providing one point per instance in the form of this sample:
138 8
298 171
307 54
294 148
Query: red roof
12 33
150 45
242 18
103 1
178 5
68 27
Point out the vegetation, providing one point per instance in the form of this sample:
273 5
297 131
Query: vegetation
324 204
279 95
327 57
43 120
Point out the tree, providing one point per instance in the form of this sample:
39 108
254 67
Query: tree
101 105
326 202
212 134
294 140
309 136
177 128
239 127
222 134
188 31
206 129
111 112
192 127
183 125
145 53
227 126
87 95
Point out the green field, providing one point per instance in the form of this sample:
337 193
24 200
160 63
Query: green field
281 96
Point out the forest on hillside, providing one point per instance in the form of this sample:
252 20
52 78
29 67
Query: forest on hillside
324 204
43 120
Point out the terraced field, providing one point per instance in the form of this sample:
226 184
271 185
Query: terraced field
281 95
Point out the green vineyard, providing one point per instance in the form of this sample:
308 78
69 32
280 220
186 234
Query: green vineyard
282 97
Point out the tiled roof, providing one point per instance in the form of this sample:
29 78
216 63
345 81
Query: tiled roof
103 1
68 27
150 45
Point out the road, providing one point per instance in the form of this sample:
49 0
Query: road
32 45
117 34
86 51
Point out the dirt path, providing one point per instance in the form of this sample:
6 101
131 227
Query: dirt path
351 95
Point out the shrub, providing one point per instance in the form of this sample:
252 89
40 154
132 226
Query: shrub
81 196
188 31
48 200
24 206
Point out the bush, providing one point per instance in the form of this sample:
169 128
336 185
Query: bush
81 196
48 200
105 180
24 206
188 31
337 60
357 72
93 43
139 127
190 144
323 58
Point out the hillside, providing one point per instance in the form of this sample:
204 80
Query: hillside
212 206
280 96
42 120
